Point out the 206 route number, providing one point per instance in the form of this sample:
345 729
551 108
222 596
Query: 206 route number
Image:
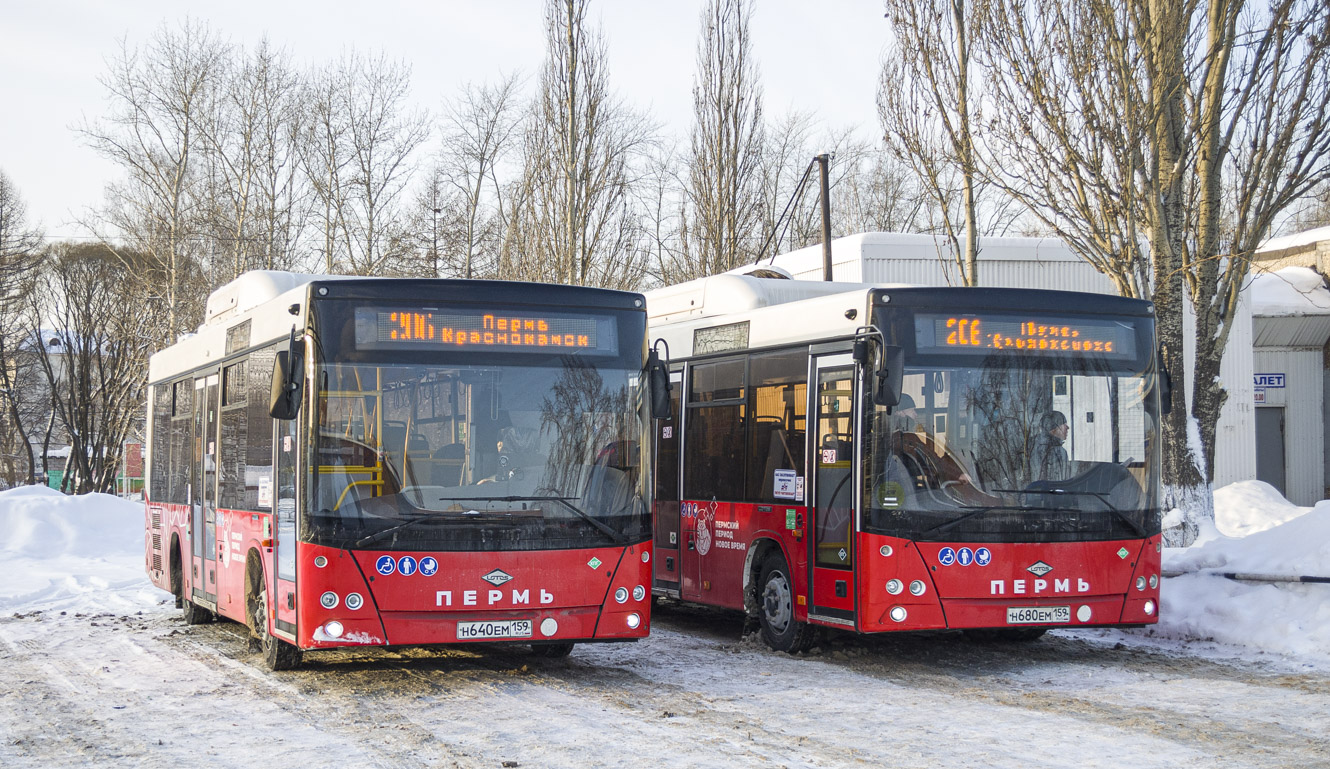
1038 615
513 628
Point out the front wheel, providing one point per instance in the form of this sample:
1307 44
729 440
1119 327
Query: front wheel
277 654
775 613
195 614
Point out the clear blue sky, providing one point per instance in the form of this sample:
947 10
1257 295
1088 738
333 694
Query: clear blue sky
818 56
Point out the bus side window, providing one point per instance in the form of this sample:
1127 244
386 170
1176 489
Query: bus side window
714 442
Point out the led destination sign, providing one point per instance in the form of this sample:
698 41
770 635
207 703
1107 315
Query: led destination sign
987 334
493 330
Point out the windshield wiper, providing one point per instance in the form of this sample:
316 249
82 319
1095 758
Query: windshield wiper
1136 528
601 526
975 513
370 539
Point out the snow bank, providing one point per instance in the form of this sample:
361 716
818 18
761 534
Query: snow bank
1258 532
81 553
1290 291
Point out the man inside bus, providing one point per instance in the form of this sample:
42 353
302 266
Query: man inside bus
1049 461
924 458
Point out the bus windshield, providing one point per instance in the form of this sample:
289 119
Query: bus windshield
532 455
1015 449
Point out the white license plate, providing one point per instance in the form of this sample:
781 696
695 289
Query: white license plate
475 631
1038 615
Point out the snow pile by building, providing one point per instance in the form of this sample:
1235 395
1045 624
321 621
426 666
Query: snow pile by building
72 553
1256 532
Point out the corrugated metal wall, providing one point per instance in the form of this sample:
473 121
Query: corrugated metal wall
1304 449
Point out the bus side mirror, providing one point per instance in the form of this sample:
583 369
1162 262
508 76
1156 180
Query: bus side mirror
658 378
1165 382
888 380
287 378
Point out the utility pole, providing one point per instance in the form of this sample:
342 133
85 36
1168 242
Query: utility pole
823 163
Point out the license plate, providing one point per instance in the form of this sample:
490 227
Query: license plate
475 631
1038 615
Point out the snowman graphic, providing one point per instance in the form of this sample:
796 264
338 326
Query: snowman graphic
703 527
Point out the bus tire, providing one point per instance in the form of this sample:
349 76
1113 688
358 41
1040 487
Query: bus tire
195 614
177 575
1005 634
775 609
552 651
277 654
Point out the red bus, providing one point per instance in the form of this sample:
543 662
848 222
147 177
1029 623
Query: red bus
879 459
351 462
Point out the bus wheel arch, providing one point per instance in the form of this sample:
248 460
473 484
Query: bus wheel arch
277 654
758 551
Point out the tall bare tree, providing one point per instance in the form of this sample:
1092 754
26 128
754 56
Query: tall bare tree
357 154
727 140
1161 140
927 106
581 155
159 95
20 244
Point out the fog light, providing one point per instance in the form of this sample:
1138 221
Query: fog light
548 627
1149 608
621 594
898 613
639 593
320 562
328 600
1154 581
895 586
1140 583
333 629
1083 614
354 601
917 587
885 550
633 621
646 557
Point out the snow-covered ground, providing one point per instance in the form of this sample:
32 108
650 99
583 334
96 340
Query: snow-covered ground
96 667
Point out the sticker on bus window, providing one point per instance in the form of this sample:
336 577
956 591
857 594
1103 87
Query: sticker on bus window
799 489
828 456
265 491
783 484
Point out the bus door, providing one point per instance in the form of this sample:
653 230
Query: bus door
832 508
668 517
203 532
283 599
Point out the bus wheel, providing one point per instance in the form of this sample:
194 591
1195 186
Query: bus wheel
775 600
277 654
195 614
1005 634
552 651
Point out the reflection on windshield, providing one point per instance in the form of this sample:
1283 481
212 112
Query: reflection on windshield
1015 449
478 457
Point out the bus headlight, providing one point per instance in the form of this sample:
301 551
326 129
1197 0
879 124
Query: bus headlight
639 593
1154 581
885 550
333 629
354 601
897 613
621 594
549 626
917 587
646 557
1140 583
633 621
895 586
1149 608
328 600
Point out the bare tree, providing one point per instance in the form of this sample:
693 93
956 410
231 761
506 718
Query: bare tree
20 244
1161 141
94 358
927 109
159 96
727 141
357 152
581 152
480 128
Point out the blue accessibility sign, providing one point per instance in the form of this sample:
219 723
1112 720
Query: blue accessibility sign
965 557
428 566
406 565
946 556
385 565
983 556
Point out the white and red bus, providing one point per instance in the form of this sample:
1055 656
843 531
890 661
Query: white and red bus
347 462
881 459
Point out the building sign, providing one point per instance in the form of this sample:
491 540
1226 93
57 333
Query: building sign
1263 381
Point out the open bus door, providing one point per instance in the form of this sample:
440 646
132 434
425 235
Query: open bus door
203 534
832 512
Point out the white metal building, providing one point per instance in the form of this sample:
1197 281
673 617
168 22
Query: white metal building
878 257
